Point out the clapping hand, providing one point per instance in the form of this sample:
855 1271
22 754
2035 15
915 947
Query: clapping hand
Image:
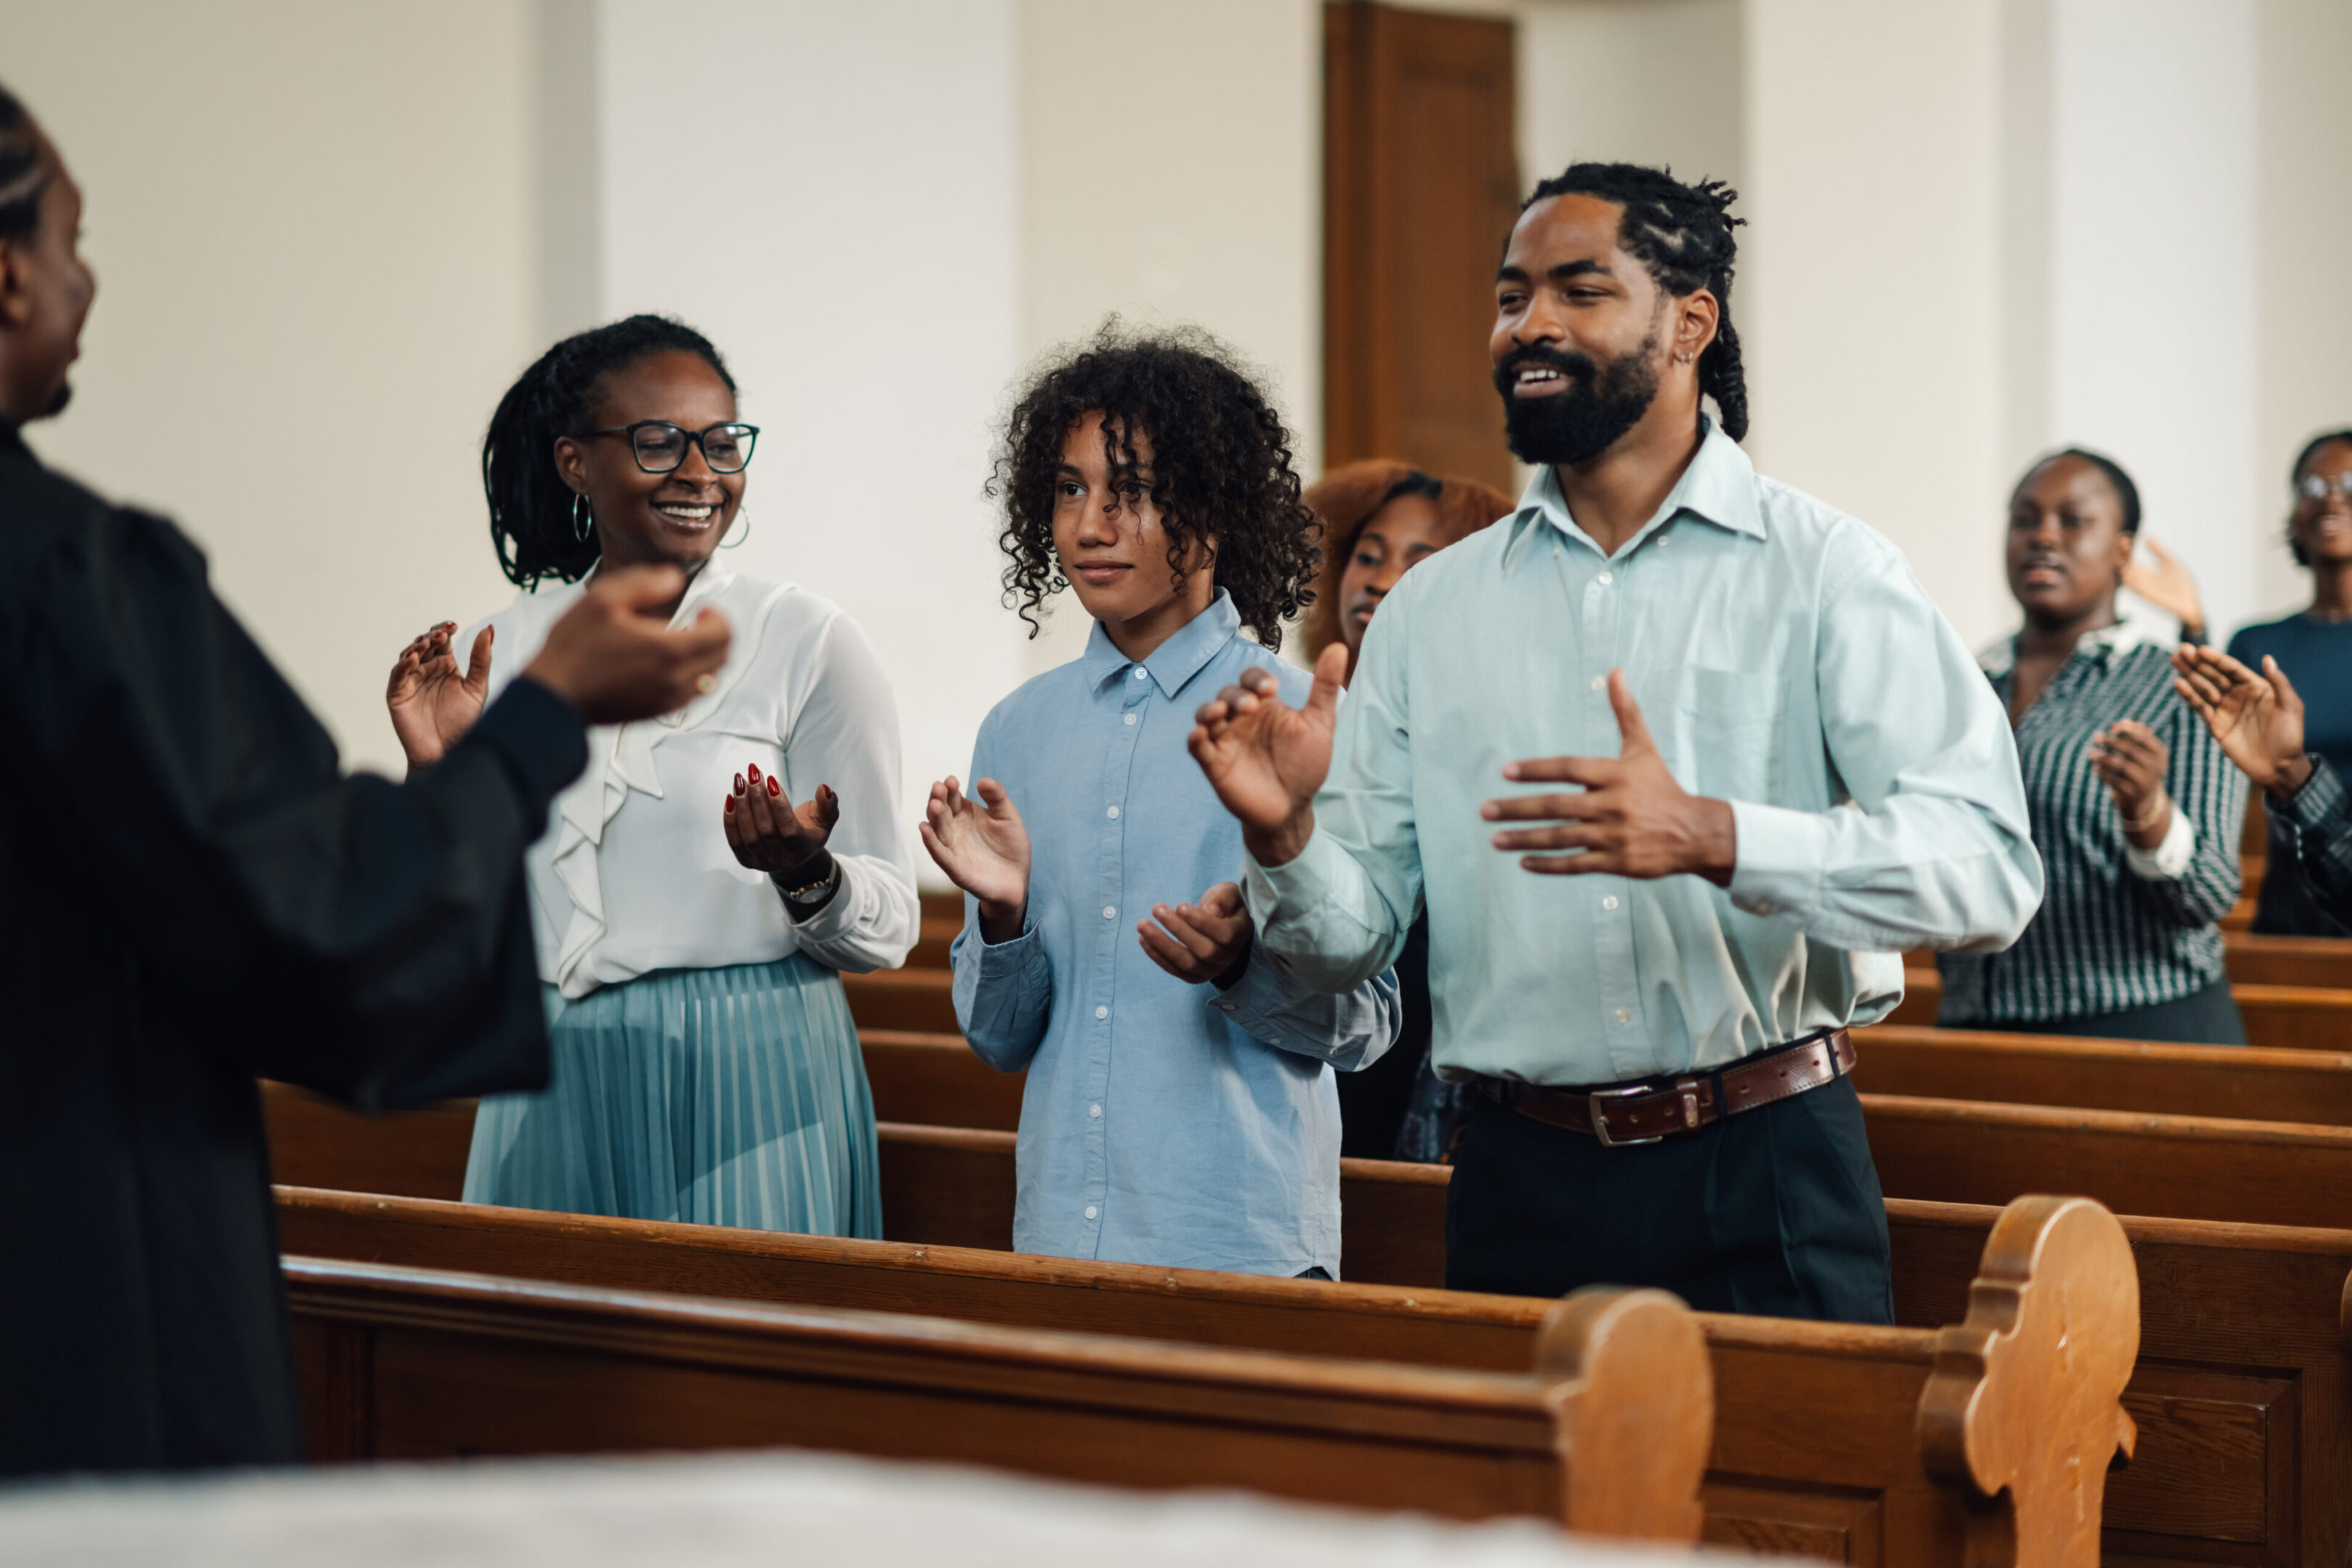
1630 819
1267 759
2169 587
768 832
432 702
1208 940
2257 719
2130 761
983 849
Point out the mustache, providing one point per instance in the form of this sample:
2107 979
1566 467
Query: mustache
1578 366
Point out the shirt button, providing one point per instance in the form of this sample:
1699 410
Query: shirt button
1113 813
1599 683
1111 911
1139 673
1605 579
1130 718
1094 1110
1609 902
1102 1012
1763 906
1091 1211
1624 1014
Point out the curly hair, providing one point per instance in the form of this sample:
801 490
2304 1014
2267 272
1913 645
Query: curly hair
1222 469
1682 234
1348 498
533 510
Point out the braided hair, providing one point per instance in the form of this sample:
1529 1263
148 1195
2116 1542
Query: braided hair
1682 234
533 514
22 178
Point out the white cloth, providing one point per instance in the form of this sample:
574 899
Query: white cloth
635 873
738 1510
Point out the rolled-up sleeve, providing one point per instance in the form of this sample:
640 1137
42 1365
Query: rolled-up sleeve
1350 1029
1934 849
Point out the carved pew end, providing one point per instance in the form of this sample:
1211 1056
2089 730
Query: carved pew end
2057 1287
1632 1390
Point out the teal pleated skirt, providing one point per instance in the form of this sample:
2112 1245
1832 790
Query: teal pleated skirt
733 1096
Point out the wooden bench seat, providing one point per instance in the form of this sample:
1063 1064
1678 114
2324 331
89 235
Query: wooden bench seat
1864 1486
1605 1428
2284 1017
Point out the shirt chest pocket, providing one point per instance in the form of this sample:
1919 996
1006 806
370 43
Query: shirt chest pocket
1726 731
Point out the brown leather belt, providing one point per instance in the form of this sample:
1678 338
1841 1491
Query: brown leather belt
1649 1111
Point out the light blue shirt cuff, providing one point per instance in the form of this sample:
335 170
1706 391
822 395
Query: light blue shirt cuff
1778 861
1283 895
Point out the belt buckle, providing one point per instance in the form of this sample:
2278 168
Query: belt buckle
1601 1124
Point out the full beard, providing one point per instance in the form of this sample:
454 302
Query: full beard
57 403
1574 427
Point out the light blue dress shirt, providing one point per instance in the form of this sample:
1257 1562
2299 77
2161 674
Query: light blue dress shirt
1162 1122
1786 660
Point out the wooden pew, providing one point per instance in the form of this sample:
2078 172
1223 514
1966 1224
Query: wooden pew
1607 1433
2286 1017
1867 1487
2250 1427
2324 963
915 999
2245 1083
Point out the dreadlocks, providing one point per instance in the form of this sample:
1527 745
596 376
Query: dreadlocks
1682 234
22 178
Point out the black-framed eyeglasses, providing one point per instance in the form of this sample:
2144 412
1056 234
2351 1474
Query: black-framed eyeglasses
2317 487
660 446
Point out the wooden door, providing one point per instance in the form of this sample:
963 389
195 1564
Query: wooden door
1421 185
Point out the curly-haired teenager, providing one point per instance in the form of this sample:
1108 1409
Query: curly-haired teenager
1180 1107
705 879
1729 760
1379 518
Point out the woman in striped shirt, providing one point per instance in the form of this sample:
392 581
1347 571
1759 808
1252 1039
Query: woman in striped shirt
2134 807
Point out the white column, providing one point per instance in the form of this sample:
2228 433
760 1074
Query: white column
830 193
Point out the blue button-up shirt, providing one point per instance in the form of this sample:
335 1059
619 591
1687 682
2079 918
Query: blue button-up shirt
1162 1122
1787 661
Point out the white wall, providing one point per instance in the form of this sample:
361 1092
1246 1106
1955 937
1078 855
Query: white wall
314 232
1172 171
831 197
1636 81
1870 299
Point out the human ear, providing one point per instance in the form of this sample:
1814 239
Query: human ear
571 463
1696 317
16 291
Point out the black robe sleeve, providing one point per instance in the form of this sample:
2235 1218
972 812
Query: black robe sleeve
365 939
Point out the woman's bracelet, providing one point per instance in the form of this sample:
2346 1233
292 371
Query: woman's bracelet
2155 815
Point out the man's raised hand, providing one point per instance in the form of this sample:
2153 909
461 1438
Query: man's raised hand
614 657
1630 819
1267 759
983 848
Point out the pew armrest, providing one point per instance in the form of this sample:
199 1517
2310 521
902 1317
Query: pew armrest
1630 1387
2024 1408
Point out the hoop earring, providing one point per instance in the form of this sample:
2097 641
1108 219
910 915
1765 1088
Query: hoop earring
745 513
583 517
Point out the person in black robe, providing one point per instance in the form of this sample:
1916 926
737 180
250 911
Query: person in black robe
196 895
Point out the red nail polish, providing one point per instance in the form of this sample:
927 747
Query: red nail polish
773 788
730 806
754 771
739 783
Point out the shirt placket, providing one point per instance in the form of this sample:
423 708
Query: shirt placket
1111 890
1610 911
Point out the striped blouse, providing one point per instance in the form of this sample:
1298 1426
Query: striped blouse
2119 927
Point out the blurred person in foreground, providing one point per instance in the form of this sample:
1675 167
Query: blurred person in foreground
203 898
1380 518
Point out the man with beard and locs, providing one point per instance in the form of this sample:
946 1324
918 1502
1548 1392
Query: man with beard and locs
1677 760
202 897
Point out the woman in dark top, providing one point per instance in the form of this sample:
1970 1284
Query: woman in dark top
1378 518
2314 649
2133 804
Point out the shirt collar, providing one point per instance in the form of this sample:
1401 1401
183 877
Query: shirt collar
1718 486
1175 661
2101 645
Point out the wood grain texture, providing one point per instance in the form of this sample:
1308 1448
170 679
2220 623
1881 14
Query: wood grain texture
467 1364
2241 1083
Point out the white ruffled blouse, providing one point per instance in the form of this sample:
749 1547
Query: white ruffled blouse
635 874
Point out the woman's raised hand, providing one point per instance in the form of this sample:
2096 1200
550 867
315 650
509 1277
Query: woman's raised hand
2257 719
768 832
432 702
983 849
2169 587
2130 761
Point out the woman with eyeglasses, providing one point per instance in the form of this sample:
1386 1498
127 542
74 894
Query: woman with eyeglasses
2314 648
703 883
